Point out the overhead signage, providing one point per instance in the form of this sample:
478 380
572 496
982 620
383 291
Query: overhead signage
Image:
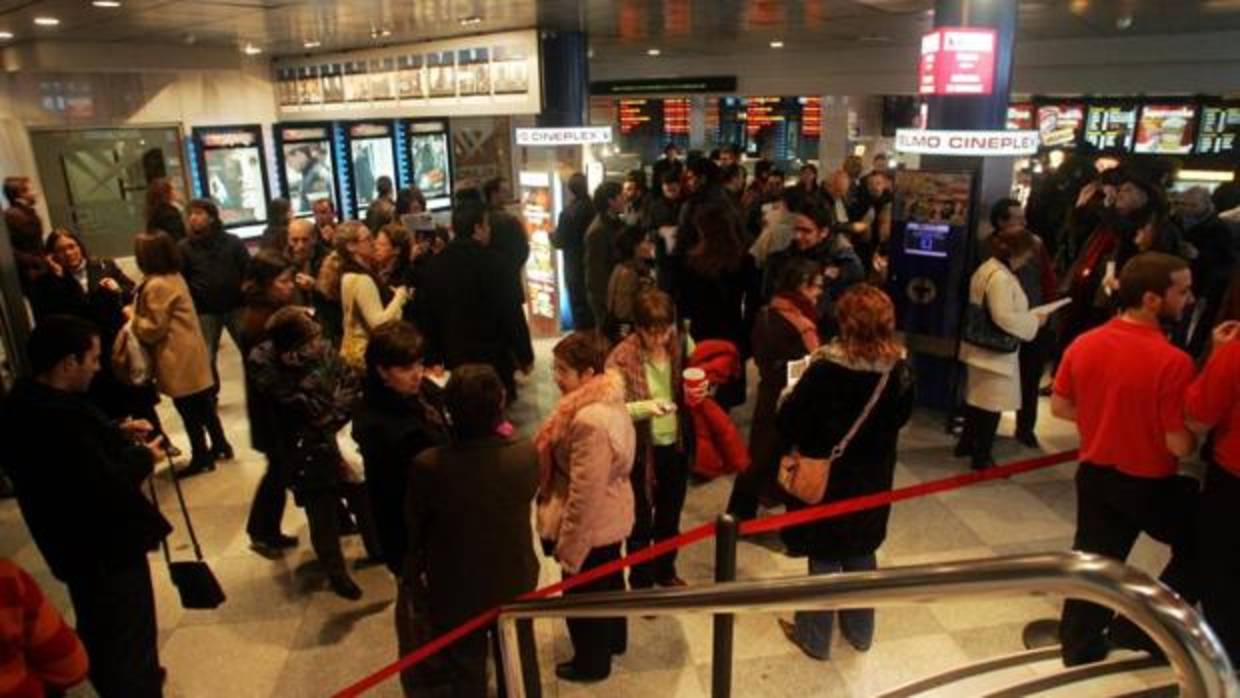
1061 124
1020 116
1166 129
957 61
1111 126
676 113
583 135
967 143
717 83
228 139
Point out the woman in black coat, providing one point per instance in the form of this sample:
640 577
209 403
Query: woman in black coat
813 420
161 211
784 331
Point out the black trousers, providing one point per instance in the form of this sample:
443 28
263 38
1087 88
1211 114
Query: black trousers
267 509
460 670
1219 542
1112 509
324 522
1033 357
115 609
357 499
659 519
198 412
978 436
596 639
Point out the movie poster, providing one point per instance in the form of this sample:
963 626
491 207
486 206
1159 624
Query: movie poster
428 152
409 80
235 180
441 72
541 271
310 86
510 70
356 82
333 83
371 151
473 72
382 79
309 171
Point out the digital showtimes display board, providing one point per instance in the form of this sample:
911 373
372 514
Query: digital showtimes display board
1219 129
1111 126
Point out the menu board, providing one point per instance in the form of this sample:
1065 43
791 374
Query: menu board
1020 117
1166 129
1220 127
1060 125
676 113
1111 126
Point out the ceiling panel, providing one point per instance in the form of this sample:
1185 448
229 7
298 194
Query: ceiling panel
695 27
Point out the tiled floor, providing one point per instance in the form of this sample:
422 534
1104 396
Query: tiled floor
281 633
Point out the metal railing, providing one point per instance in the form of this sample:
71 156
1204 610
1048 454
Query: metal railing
1194 653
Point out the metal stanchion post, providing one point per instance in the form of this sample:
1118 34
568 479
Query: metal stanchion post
725 571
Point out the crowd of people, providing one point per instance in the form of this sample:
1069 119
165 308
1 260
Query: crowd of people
415 337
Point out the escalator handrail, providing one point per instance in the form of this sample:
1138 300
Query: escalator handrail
1195 654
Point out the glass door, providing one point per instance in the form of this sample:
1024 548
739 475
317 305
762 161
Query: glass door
95 180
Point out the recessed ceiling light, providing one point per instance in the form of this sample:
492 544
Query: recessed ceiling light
46 21
472 19
777 44
106 3
312 44
5 36
252 50
653 52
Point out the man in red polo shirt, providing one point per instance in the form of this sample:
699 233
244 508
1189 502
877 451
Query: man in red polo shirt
1214 403
1124 385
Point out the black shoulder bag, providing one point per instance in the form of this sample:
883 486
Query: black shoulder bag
193 579
981 330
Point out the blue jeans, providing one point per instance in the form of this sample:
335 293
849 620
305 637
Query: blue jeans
813 628
213 326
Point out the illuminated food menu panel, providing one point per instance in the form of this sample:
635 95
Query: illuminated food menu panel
1060 125
637 115
1166 129
1220 126
676 116
1020 117
762 113
433 78
1111 126
811 117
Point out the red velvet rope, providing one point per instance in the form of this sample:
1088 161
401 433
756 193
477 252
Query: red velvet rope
702 532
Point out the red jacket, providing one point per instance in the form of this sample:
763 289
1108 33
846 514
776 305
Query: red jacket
720 448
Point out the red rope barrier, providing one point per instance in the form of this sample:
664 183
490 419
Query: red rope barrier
700 533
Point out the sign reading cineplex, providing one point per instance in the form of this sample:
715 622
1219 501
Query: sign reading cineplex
585 135
966 143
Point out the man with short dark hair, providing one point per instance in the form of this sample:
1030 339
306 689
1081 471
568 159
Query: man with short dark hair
25 228
510 242
601 255
78 478
466 315
324 223
1124 385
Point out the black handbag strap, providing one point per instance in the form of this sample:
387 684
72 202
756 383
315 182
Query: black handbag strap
189 524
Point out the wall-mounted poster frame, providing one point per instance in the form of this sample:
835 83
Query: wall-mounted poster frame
430 161
486 75
230 167
311 151
372 153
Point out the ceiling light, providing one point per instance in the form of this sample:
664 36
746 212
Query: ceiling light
777 44
252 50
472 19
106 3
653 52
5 36
312 44
46 21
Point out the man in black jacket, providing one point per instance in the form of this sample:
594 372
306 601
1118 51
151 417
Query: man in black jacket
215 263
78 479
509 241
466 313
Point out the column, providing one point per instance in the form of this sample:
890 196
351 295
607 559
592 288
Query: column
566 79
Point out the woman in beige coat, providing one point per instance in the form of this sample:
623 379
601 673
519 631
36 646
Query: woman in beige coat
585 499
361 297
165 322
993 385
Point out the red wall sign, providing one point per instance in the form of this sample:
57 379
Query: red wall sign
957 61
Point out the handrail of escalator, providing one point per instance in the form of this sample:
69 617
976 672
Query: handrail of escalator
1195 655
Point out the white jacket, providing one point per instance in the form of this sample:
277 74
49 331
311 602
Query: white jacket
1009 308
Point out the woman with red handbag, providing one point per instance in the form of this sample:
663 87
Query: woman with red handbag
840 427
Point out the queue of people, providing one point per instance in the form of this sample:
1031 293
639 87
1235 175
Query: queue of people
417 343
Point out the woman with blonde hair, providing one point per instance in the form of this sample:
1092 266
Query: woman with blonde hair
859 385
362 301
